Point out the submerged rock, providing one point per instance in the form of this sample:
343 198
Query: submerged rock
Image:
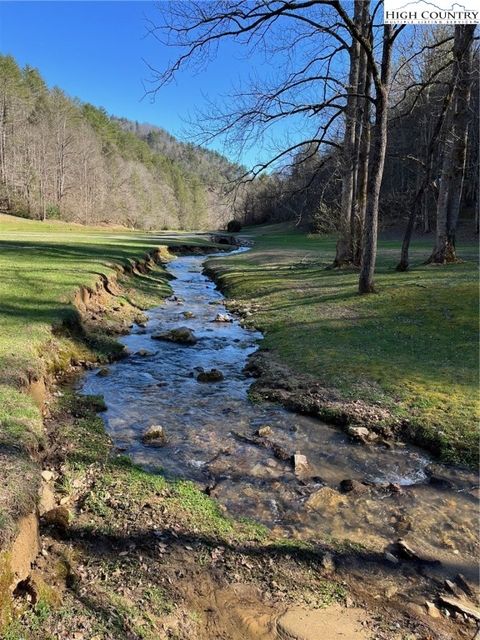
188 314
155 436
279 452
300 465
440 483
353 486
141 320
325 499
103 372
360 434
214 375
265 431
182 335
144 353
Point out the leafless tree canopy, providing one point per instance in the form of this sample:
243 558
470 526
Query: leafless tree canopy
347 89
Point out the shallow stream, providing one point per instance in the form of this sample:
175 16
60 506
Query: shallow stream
202 420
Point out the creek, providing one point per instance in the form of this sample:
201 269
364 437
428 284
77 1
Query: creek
157 385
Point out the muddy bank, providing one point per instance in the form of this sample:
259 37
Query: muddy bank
301 394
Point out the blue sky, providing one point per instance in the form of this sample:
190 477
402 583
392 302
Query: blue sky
94 51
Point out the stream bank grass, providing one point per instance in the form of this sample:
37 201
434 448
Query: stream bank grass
182 502
412 347
42 265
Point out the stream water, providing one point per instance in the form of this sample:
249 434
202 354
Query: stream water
201 421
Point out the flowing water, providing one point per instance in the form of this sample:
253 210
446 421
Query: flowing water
202 422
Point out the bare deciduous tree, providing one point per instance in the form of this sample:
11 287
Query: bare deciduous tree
199 28
458 118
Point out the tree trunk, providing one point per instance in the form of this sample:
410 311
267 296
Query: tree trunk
453 167
362 171
379 135
3 152
344 244
421 197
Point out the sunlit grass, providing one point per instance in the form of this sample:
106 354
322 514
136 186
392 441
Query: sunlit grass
42 265
412 346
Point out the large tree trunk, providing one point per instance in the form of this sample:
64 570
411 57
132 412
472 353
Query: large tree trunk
453 167
3 152
377 162
362 169
420 199
344 244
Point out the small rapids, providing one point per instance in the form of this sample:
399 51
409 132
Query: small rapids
202 422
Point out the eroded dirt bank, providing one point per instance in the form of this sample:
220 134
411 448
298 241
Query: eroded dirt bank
99 314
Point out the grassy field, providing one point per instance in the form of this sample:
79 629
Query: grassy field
42 266
411 348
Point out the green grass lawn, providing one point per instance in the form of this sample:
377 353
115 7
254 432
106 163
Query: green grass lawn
42 265
412 347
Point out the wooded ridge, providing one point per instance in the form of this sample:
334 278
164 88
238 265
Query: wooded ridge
64 159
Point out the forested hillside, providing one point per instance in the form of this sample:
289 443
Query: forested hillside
212 168
64 159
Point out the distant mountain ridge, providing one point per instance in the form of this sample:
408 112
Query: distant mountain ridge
65 159
210 166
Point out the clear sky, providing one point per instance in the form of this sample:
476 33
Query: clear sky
95 51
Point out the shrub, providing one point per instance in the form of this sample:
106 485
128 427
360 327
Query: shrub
53 212
234 226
